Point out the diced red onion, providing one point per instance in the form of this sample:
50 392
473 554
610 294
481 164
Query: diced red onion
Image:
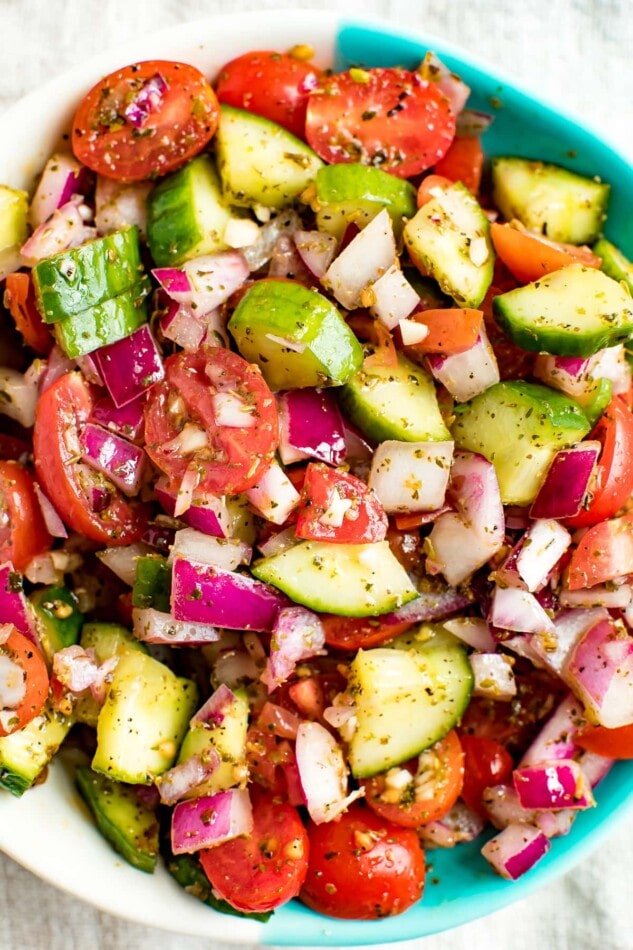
224 553
503 807
533 559
55 366
19 392
204 283
154 626
515 850
392 297
63 178
234 667
127 420
552 785
450 85
317 250
493 675
523 645
121 560
146 100
12 683
518 610
278 720
595 767
274 496
130 366
214 710
6 629
286 262
602 595
555 739
311 425
124 463
554 649
89 370
232 412
471 123
298 634
14 607
54 524
183 779
467 374
222 598
362 262
429 605
568 374
208 821
411 476
600 672
75 668
66 228
280 542
357 448
457 826
473 631
180 325
119 205
260 252
323 773
566 482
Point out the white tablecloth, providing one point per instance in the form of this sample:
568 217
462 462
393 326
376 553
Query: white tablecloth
577 52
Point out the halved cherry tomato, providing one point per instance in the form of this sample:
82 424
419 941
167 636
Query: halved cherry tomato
612 743
359 633
362 867
613 482
181 431
19 299
12 447
268 757
273 85
338 507
437 776
25 654
603 553
450 331
486 763
404 543
145 120
85 500
463 162
530 256
428 185
23 532
391 118
266 869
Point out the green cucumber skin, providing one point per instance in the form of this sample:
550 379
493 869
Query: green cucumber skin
354 192
152 584
24 754
108 322
87 276
129 826
59 620
614 263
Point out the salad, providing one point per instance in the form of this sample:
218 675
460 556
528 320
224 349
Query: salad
315 465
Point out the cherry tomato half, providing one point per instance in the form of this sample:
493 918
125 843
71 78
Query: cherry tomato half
181 430
612 743
23 532
267 869
359 633
19 299
530 256
339 507
362 867
86 501
391 118
486 763
273 85
145 120
604 552
437 776
25 654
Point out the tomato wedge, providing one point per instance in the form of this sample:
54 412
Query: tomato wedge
359 633
21 651
603 553
86 501
23 532
450 331
145 119
19 299
429 184
529 256
612 743
339 507
391 118
267 869
486 763
463 162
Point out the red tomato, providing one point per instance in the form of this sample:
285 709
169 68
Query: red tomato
339 507
267 869
23 652
405 544
391 118
144 120
19 299
86 500
268 756
463 162
362 867
530 256
359 633
486 763
450 331
23 532
182 435
612 484
612 743
437 776
274 85
603 553
428 185
13 448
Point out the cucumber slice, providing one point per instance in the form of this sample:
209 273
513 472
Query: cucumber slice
107 640
519 427
26 753
407 697
449 239
123 820
551 200
152 584
354 580
347 193
575 311
395 403
260 162
614 263
106 323
295 335
14 206
186 214
143 720
228 738
57 617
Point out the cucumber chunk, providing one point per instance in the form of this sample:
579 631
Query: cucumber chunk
123 820
107 640
449 239
26 753
152 584
57 617
614 263
354 580
519 427
354 193
228 738
106 323
407 696
394 403
260 162
551 200
575 311
14 206
295 335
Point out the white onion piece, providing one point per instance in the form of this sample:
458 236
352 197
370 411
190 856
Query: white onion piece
515 850
493 674
122 560
411 476
392 297
12 683
75 668
154 626
183 779
467 374
611 363
280 542
274 496
260 251
232 411
553 649
66 228
317 250
363 261
599 670
472 630
518 610
297 635
119 205
211 819
458 825
323 773
412 332
450 85
225 553
241 232
19 392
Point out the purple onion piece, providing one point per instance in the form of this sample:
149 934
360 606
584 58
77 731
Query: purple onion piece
515 850
148 99
214 709
566 482
154 626
14 607
127 420
130 366
121 461
312 423
553 785
211 819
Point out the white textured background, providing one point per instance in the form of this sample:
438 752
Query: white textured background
580 54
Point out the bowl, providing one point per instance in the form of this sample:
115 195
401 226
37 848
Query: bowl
48 831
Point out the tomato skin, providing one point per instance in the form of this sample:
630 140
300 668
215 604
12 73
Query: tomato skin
359 633
19 299
61 411
604 552
391 118
529 256
486 763
25 535
176 130
364 521
267 869
234 458
612 743
428 185
450 331
273 85
613 481
362 867
445 767
463 162
23 652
